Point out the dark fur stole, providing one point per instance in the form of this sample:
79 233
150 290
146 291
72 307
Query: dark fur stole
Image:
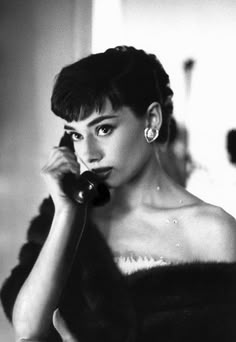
187 302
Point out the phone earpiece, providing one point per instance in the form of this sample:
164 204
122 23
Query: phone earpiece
87 187
67 141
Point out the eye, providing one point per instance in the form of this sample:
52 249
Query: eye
75 136
104 130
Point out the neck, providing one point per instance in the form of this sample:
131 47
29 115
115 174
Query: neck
146 188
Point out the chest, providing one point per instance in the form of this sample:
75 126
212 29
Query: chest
148 232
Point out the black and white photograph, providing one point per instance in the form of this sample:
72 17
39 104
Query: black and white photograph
118 171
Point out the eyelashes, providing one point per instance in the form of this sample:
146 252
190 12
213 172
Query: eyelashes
101 131
104 130
75 136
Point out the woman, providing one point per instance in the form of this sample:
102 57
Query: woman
152 263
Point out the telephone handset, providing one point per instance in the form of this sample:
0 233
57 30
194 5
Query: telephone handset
87 187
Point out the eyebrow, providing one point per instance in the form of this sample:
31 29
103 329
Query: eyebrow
93 122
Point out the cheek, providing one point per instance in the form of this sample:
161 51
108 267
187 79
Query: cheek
129 150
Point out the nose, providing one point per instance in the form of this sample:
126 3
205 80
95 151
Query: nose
89 150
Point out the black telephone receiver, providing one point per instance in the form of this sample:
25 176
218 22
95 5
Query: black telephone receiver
87 185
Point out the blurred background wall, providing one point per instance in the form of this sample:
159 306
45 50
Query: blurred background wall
37 39
41 36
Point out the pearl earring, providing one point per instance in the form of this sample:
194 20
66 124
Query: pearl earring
151 134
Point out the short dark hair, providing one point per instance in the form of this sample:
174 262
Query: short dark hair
173 131
231 145
124 75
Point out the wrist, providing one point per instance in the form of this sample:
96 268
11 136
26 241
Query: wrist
69 219
66 208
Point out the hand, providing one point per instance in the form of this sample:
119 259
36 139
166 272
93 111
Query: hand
62 328
60 162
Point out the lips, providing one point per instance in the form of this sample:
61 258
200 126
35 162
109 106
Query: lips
101 169
102 172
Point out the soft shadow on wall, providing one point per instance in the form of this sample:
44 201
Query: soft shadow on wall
37 39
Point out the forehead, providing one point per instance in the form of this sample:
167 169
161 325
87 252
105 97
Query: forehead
123 115
95 117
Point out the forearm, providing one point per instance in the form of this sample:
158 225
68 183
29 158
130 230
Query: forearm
40 294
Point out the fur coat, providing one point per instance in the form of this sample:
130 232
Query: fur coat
192 302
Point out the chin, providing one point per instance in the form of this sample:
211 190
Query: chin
114 182
120 178
118 182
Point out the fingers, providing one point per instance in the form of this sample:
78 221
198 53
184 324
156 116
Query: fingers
61 161
60 167
62 328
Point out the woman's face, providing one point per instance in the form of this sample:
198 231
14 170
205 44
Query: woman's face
112 140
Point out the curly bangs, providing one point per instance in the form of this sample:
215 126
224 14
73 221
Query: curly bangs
76 94
124 75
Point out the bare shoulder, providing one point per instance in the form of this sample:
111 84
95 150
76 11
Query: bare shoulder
217 218
216 230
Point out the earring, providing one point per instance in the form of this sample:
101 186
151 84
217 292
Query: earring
151 134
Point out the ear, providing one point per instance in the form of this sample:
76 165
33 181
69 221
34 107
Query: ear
154 115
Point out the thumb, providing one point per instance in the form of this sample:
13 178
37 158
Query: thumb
62 328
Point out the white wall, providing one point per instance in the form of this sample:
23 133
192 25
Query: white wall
176 30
